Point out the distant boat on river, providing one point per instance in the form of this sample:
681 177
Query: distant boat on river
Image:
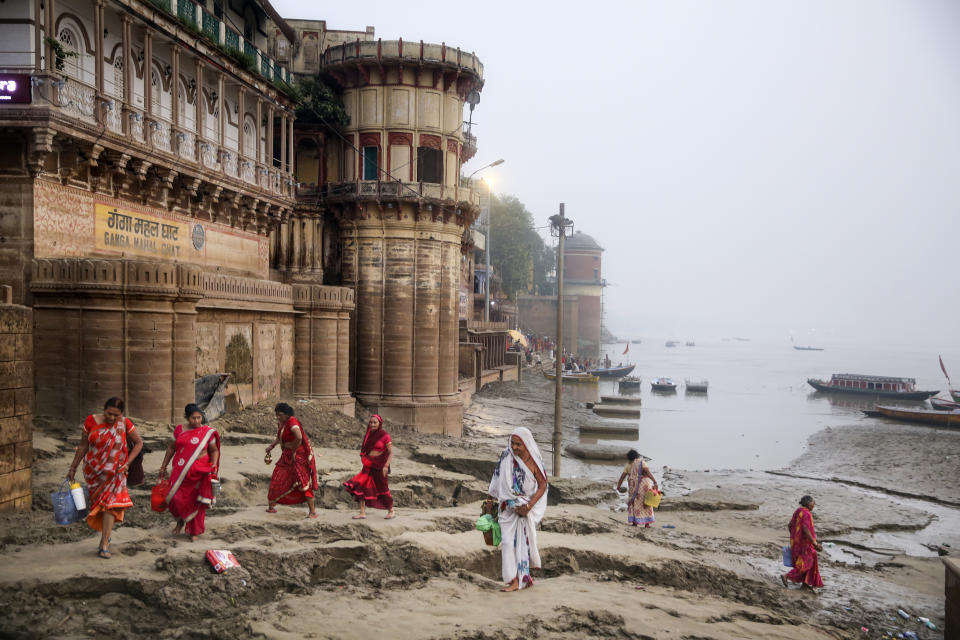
612 372
672 343
696 386
584 378
919 416
882 386
799 348
663 384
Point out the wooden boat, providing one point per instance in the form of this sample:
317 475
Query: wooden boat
612 372
881 386
917 416
691 343
663 384
582 378
629 400
616 410
944 405
696 386
954 393
807 348
630 383
671 343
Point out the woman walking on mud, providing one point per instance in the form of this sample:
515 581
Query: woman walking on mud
295 475
804 547
519 485
639 482
370 486
195 450
106 460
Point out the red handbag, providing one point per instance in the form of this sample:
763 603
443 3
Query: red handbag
158 497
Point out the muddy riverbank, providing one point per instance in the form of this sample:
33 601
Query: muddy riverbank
712 574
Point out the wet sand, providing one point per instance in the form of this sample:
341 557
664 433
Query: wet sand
427 573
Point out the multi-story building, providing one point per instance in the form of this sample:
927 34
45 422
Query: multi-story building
148 206
389 185
583 285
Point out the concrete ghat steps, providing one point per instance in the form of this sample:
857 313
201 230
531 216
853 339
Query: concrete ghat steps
616 411
624 400
631 430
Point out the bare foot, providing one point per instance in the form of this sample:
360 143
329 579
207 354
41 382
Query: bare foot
513 586
313 515
194 538
783 579
177 530
390 516
359 516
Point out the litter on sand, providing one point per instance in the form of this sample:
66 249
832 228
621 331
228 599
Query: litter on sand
221 560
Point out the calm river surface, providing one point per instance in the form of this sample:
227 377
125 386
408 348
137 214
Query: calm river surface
760 410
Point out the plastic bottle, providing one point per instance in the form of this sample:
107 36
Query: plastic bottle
903 614
927 623
76 491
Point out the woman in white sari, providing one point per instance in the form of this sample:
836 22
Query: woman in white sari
519 485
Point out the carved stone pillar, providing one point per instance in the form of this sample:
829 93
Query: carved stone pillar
175 87
98 45
283 262
321 355
147 72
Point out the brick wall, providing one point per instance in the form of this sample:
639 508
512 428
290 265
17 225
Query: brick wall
16 405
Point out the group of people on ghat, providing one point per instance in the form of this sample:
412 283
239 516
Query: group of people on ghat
110 443
518 488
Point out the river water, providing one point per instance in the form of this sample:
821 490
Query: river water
759 411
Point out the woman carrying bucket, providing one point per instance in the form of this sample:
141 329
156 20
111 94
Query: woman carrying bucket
106 457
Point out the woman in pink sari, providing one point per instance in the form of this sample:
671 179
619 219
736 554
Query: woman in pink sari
639 482
804 547
106 460
195 451
295 474
370 486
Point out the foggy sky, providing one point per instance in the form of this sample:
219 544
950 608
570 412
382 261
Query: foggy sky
752 167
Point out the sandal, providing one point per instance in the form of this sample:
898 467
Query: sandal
390 516
271 510
103 553
313 516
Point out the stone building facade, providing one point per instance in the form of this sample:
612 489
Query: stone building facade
16 404
148 206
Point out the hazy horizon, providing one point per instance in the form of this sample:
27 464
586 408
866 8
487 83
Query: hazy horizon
751 168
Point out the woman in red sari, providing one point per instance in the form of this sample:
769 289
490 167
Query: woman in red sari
295 475
106 461
370 486
195 450
804 547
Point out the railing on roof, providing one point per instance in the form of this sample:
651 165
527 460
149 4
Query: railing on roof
195 17
398 49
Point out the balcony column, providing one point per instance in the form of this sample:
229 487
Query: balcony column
98 45
221 113
290 163
316 265
259 129
37 38
283 253
296 239
147 72
307 262
269 159
175 88
241 109
283 144
199 112
49 24
128 74
273 247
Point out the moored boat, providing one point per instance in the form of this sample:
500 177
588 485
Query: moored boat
944 405
691 343
881 386
807 348
671 343
696 386
584 378
630 383
663 384
612 372
918 416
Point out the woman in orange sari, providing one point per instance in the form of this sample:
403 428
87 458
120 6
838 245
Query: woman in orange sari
195 450
295 475
106 459
804 547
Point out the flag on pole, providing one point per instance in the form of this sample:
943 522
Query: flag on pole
944 369
627 349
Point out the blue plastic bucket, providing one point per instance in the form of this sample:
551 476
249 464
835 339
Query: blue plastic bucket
787 557
64 510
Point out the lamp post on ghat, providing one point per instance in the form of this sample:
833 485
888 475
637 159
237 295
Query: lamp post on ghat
559 224
485 216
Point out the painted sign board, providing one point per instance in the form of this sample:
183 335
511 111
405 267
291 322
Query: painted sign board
141 234
14 88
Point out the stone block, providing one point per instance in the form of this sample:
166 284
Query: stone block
8 403
16 375
15 319
15 484
15 429
23 455
23 401
24 346
8 458
23 503
8 347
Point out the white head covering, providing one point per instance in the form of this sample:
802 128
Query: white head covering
501 485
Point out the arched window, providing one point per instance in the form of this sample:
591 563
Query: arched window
118 76
249 137
70 42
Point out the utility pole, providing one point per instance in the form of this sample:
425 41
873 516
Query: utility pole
485 212
558 227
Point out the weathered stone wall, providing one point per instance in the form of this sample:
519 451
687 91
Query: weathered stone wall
16 402
16 219
323 345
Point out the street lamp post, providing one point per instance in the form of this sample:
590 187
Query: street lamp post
485 214
559 224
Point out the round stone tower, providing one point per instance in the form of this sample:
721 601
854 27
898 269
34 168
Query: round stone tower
394 185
